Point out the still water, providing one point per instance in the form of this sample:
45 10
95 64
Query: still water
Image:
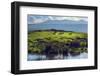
32 57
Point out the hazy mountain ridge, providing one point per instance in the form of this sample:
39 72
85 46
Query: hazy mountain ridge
55 30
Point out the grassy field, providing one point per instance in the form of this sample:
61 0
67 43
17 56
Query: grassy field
57 41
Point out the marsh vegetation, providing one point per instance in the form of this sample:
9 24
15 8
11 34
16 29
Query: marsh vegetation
56 44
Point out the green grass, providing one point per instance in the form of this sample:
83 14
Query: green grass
58 36
53 37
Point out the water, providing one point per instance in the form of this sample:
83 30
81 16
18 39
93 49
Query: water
32 57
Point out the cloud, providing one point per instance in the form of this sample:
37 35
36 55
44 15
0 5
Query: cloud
35 19
68 18
39 21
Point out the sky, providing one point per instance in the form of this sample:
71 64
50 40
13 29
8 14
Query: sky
35 19
67 23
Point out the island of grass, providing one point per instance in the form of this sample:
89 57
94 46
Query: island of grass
53 42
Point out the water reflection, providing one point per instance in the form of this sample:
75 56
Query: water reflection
32 57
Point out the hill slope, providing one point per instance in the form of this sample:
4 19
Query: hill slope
43 41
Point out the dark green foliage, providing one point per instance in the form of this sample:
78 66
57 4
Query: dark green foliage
56 42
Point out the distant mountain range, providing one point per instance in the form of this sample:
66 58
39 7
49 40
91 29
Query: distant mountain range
52 30
66 25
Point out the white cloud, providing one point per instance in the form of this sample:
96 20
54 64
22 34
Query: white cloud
35 21
67 18
50 17
41 19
